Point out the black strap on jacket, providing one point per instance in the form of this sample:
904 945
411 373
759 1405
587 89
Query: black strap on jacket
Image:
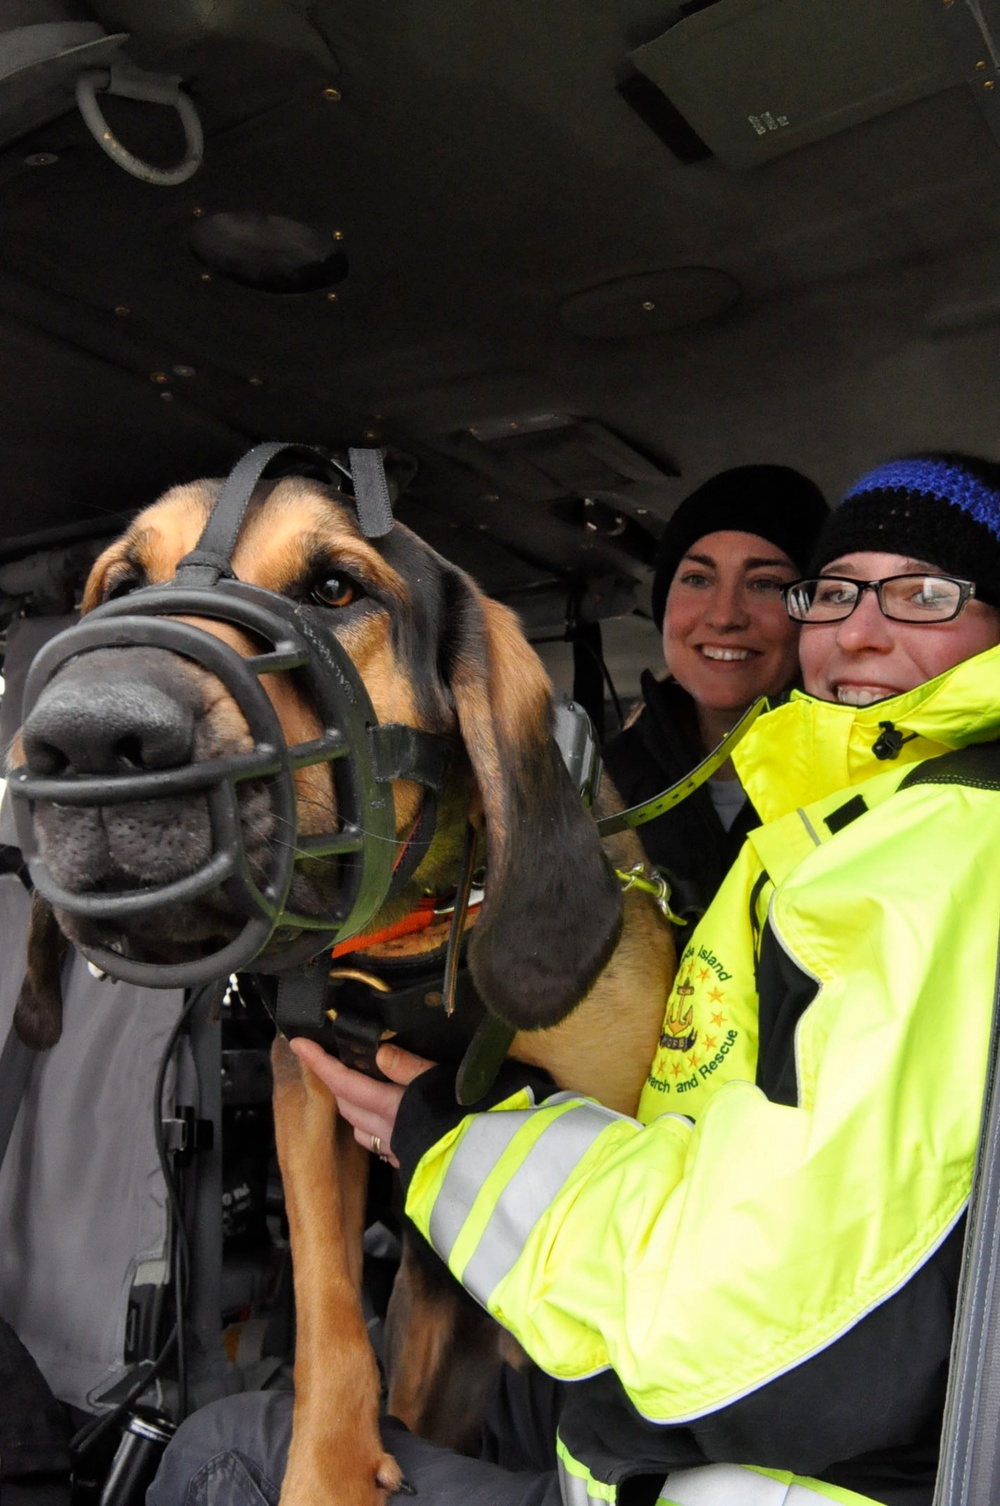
969 1467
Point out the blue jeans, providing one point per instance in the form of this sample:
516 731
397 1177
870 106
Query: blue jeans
233 1453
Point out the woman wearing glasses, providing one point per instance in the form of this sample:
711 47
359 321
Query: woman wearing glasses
751 1285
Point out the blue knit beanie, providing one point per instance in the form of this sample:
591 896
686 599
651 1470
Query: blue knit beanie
941 508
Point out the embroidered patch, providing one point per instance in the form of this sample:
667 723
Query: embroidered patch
697 1036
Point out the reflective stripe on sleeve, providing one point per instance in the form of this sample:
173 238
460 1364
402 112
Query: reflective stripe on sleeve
475 1156
708 1485
533 1184
577 1485
737 1485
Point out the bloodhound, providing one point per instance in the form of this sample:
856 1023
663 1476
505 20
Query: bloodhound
576 968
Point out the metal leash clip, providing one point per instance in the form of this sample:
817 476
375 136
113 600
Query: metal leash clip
654 884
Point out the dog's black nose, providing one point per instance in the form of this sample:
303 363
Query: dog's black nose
88 726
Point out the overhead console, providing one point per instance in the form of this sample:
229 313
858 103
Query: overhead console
757 78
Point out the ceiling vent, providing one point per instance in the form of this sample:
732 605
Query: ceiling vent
268 252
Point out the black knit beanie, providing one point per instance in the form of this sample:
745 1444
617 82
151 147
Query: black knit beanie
941 508
779 504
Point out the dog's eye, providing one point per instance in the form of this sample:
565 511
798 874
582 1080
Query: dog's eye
334 590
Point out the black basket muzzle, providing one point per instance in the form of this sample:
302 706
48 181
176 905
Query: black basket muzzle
364 759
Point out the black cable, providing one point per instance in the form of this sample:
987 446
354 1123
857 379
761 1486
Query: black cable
605 672
180 1253
100 1424
180 1278
568 637
96 1427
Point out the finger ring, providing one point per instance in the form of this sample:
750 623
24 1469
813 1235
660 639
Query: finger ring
376 1145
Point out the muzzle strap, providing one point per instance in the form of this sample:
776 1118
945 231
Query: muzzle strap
212 556
398 751
371 492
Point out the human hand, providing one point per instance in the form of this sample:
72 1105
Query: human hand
368 1105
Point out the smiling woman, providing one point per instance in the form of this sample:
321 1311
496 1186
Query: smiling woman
722 562
877 621
723 637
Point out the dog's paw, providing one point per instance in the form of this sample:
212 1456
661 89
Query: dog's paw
324 1483
389 1477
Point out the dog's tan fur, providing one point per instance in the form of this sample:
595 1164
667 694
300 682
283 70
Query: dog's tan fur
496 698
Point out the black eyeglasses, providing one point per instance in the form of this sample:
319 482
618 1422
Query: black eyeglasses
902 598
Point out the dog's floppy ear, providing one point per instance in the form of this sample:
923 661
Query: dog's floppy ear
38 1011
553 909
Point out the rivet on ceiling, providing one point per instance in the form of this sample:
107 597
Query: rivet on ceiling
122 310
657 302
333 94
183 371
158 376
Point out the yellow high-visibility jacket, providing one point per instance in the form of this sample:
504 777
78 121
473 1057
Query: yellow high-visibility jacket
759 1271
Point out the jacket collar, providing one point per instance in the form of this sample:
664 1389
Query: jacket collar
805 749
